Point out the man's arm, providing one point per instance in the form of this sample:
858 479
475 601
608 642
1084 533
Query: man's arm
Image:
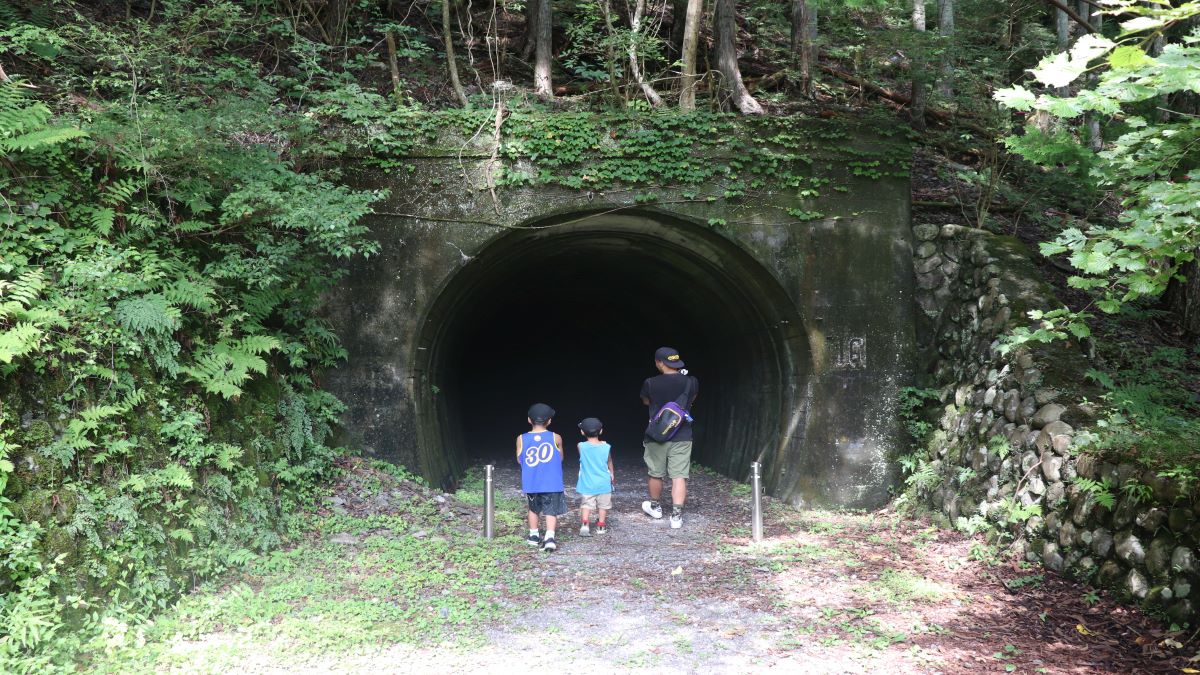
646 392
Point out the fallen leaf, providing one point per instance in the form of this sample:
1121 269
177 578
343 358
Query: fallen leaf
1082 630
677 571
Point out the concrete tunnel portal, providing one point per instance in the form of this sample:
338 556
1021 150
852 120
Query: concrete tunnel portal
569 311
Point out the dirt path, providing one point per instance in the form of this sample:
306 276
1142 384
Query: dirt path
825 592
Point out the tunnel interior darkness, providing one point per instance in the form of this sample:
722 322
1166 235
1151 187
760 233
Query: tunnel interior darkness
571 314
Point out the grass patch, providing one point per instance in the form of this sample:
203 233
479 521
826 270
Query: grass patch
395 578
898 586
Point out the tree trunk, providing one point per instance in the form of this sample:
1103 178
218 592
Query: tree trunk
725 29
946 30
691 37
635 65
804 33
542 85
679 10
918 66
610 53
1183 299
1092 120
451 62
531 15
1062 40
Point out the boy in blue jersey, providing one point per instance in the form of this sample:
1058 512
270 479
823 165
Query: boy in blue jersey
540 453
596 477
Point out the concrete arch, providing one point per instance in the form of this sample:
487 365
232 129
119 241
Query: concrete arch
569 309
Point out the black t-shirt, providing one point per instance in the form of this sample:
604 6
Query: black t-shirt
662 389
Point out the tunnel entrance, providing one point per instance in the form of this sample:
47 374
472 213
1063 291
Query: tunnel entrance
569 312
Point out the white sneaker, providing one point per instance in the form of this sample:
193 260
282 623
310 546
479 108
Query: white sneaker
585 531
654 513
676 521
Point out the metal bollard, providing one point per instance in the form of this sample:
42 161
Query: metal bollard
489 503
756 500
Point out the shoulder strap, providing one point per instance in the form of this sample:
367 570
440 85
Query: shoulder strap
685 399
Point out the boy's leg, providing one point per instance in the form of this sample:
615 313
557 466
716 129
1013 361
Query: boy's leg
533 521
585 515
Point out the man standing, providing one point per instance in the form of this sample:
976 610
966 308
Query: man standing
674 457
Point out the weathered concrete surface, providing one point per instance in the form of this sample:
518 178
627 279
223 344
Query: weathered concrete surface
809 325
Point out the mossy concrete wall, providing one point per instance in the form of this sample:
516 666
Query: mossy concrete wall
838 262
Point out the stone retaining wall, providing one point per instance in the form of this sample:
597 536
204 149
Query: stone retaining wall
1007 437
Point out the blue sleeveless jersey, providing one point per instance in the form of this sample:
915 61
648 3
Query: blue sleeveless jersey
593 469
541 463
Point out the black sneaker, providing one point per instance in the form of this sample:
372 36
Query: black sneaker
549 545
533 540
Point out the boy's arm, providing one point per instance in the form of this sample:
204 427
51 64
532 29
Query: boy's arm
558 444
518 449
612 475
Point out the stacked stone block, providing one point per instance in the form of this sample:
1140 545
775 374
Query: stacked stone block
1012 420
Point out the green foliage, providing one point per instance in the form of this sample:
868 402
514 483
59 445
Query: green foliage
166 246
1150 167
1100 490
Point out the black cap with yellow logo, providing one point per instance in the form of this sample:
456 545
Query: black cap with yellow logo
670 357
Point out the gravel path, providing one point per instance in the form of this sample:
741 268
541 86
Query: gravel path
825 592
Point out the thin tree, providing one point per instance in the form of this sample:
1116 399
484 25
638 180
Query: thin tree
542 85
804 44
530 39
918 66
451 62
691 38
725 29
1095 139
946 30
635 66
1062 38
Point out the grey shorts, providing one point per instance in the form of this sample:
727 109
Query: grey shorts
672 459
547 503
596 502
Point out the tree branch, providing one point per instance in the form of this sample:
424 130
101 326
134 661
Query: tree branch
1087 25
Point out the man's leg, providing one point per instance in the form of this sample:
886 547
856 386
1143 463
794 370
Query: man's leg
654 487
678 491
656 467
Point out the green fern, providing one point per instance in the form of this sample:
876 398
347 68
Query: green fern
229 364
23 124
191 293
148 314
19 340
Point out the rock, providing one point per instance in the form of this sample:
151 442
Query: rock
1159 595
1086 567
1084 505
1085 466
344 538
1178 519
1066 534
1012 404
1158 556
1027 409
1051 557
1151 519
930 281
1045 395
1061 444
1181 587
925 249
1051 466
950 269
1124 514
1129 548
1183 560
1055 492
1110 573
1102 542
927 265
420 534
335 500
1182 611
926 231
1136 585
1036 485
1046 414
989 396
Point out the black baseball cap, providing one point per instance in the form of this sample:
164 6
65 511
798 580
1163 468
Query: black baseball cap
670 357
540 412
591 426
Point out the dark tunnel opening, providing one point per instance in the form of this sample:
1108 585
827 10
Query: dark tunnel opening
571 314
